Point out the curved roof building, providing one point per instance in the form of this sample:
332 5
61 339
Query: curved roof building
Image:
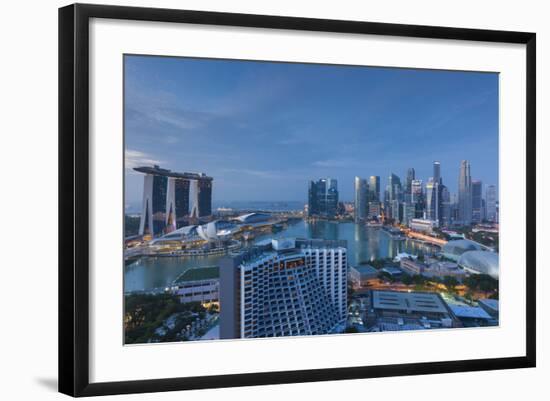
454 249
215 230
480 262
253 218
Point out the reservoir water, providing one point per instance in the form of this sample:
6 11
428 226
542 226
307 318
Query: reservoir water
364 244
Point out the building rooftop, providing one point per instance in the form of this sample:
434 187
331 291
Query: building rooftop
365 269
404 255
392 270
286 247
156 170
409 301
254 217
471 312
489 303
198 274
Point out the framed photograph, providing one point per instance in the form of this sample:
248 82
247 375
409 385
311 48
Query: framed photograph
251 199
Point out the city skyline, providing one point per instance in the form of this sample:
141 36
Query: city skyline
272 199
325 127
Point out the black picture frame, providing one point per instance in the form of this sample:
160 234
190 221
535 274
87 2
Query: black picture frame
74 198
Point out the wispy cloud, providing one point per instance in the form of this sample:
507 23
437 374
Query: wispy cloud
266 174
135 158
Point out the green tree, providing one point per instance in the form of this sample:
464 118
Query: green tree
450 282
407 279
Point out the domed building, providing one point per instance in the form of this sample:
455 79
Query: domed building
454 249
480 262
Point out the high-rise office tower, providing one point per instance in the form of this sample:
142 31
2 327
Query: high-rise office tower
408 185
409 212
386 195
204 197
288 288
417 198
323 197
394 187
394 196
361 199
438 180
312 203
465 194
374 188
445 208
396 210
491 203
170 198
432 200
477 204
437 173
454 207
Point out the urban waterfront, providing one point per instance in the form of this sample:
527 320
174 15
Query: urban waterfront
280 199
364 244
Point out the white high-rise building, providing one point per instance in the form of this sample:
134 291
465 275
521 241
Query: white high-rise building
291 287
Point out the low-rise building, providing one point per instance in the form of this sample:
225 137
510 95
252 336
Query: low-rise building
412 266
374 210
443 268
200 284
392 271
473 316
404 255
423 225
395 310
362 276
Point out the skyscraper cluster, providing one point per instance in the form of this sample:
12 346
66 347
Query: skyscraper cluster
430 200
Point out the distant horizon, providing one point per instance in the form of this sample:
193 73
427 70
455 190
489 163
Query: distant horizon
264 130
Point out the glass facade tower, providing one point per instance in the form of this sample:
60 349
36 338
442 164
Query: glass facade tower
323 198
465 194
361 199
477 203
491 203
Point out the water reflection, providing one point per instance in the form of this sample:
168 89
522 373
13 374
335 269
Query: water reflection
364 245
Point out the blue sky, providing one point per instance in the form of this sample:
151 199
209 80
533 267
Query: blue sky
263 129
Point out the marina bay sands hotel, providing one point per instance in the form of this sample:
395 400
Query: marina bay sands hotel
171 200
